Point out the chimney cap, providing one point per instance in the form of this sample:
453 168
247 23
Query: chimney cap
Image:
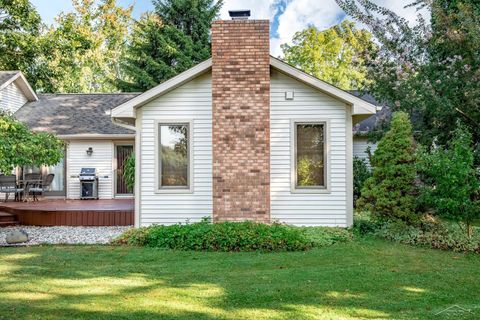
239 14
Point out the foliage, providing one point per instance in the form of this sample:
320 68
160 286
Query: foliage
430 70
228 236
337 55
390 192
20 26
129 171
83 50
167 42
361 173
445 236
309 171
452 186
21 147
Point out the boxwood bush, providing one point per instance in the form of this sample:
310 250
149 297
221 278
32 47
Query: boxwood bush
233 236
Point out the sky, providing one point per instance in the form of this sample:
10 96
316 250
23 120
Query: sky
286 16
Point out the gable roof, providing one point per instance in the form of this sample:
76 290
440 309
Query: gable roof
127 109
87 115
7 77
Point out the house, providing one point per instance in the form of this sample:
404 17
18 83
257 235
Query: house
243 136
83 121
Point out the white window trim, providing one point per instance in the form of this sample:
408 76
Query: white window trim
190 178
293 165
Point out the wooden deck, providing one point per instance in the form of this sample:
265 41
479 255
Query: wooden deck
117 212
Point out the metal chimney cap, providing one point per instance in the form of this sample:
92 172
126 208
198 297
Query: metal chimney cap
239 14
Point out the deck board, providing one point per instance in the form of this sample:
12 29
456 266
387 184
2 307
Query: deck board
115 212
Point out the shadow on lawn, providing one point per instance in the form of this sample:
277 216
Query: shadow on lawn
367 281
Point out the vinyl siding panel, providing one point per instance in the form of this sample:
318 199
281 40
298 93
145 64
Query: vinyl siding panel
11 98
308 209
189 102
102 159
360 146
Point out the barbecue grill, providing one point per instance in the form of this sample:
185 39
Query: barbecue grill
88 183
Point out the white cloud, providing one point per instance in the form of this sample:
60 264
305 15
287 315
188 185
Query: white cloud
299 14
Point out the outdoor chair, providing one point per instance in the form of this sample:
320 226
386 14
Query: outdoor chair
41 187
8 185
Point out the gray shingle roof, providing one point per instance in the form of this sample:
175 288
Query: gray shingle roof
6 75
70 114
367 125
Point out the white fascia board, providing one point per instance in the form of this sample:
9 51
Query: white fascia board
127 109
23 84
360 106
96 136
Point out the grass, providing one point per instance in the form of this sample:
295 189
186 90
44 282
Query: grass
367 279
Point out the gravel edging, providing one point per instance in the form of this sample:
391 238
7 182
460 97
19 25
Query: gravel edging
64 235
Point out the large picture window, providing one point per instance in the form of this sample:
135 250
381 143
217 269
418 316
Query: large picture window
309 155
174 154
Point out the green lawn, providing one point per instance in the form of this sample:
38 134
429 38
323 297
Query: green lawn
368 279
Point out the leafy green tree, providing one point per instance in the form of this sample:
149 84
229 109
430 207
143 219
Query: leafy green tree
167 42
452 185
83 51
20 26
21 147
337 55
430 70
390 192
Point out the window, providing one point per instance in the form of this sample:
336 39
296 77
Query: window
310 155
174 155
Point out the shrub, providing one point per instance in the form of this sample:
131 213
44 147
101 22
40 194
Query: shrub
360 174
363 224
233 236
445 236
390 192
452 186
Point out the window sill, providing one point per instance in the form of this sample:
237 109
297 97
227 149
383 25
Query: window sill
310 191
174 191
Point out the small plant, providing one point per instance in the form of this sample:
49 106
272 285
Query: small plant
390 193
360 174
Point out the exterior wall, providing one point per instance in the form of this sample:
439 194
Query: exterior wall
330 208
241 128
360 145
102 159
189 102
11 98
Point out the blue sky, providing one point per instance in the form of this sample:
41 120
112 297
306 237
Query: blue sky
286 16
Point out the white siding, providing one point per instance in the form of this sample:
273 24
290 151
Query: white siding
102 159
191 101
11 98
309 209
360 145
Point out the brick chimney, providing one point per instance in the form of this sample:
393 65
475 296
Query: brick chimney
241 119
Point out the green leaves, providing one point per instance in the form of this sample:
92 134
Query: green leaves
19 146
390 192
337 55
167 42
452 186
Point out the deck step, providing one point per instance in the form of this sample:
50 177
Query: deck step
7 219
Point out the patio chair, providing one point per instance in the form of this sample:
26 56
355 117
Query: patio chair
40 188
8 185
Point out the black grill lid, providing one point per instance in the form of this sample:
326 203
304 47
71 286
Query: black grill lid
88 171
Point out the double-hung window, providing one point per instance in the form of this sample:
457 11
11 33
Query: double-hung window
309 156
174 148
